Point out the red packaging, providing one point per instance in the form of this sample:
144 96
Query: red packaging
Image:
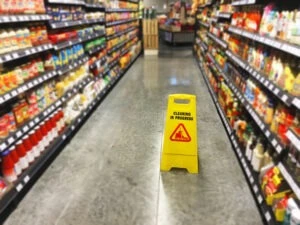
7 167
15 158
22 154
28 147
34 141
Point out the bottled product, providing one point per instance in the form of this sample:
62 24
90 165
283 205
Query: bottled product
23 157
33 139
7 166
257 157
250 146
16 160
291 205
28 146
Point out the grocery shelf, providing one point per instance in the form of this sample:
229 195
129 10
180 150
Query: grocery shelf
96 49
114 23
272 42
23 18
109 37
224 15
26 86
251 177
21 131
217 40
10 56
243 2
58 25
72 66
275 142
28 177
120 10
98 63
282 95
75 41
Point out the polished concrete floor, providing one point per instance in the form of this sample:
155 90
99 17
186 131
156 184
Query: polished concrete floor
109 173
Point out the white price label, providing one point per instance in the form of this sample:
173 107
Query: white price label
278 148
3 146
284 98
268 133
26 179
274 142
7 57
19 134
14 93
73 127
64 137
25 129
19 187
276 91
10 140
268 216
31 123
260 199
7 97
15 55
36 120
251 180
255 188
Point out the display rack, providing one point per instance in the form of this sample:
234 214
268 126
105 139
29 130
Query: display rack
212 71
99 71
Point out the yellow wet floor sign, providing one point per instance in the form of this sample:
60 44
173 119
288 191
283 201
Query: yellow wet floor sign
179 148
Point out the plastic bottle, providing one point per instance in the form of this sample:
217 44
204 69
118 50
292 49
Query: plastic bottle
41 144
34 142
257 157
15 158
295 217
28 146
46 138
7 167
250 145
21 151
291 205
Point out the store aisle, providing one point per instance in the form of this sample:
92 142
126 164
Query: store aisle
109 173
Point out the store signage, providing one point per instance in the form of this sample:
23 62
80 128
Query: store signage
179 148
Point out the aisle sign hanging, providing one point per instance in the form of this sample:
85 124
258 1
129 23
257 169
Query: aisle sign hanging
179 148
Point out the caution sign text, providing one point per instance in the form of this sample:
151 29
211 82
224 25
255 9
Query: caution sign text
180 135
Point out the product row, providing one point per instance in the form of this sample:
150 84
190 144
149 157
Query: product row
120 28
121 5
112 17
28 149
71 13
258 152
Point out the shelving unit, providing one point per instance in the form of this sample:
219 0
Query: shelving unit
208 58
99 71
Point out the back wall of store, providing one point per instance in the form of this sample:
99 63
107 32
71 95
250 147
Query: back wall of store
159 4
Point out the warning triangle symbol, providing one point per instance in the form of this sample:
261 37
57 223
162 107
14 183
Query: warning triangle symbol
180 134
